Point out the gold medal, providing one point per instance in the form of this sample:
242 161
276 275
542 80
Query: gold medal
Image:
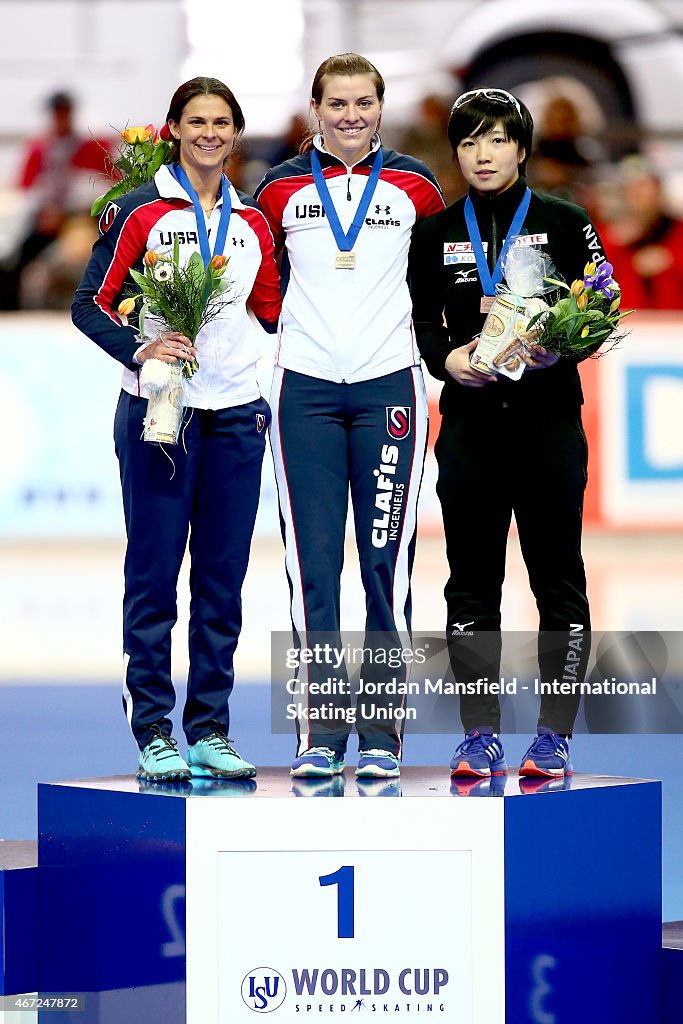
486 303
345 260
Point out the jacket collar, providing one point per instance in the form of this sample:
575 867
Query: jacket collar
506 202
328 159
169 188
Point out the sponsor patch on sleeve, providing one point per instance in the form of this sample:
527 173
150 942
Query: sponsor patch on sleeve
107 217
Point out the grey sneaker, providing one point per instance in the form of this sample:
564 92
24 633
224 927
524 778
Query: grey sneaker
160 760
214 756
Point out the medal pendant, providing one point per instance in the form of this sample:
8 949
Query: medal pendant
345 261
486 303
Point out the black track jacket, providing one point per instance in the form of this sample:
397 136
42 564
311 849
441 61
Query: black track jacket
444 279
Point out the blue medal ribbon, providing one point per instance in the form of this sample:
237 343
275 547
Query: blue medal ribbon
346 242
181 177
490 280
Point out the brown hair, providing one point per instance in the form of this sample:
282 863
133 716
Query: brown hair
201 87
341 64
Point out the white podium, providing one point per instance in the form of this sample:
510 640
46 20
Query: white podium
499 902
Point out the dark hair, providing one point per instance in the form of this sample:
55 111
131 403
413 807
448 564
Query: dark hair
341 64
201 87
60 101
478 115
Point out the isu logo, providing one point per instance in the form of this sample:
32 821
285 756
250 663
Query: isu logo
264 989
108 215
398 421
260 422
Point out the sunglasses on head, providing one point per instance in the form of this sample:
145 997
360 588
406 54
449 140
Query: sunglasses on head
498 95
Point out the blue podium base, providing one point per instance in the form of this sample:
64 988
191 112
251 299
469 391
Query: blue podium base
672 972
18 924
501 901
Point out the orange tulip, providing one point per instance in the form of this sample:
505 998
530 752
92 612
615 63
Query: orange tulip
582 300
126 307
577 288
218 263
138 133
150 258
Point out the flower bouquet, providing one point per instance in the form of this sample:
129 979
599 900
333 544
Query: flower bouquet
584 318
175 298
575 325
140 155
518 298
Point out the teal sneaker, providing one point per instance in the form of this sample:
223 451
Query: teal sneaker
214 756
173 787
206 786
160 760
317 761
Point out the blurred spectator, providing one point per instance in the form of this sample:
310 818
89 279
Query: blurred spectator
288 146
563 154
645 241
58 172
427 140
243 169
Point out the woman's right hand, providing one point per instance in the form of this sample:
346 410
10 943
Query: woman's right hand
458 366
169 347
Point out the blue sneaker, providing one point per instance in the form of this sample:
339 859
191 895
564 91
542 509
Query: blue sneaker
542 784
160 760
317 761
493 785
479 754
377 764
322 786
214 756
548 756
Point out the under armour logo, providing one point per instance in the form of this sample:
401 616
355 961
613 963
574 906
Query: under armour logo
460 626
378 209
238 241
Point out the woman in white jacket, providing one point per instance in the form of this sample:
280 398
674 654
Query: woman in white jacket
349 404
213 493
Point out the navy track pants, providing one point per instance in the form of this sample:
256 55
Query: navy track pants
369 439
212 496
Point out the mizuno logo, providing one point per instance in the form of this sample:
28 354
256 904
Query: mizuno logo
464 276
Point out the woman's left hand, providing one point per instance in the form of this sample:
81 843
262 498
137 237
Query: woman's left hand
536 357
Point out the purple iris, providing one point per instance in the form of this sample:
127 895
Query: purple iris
601 280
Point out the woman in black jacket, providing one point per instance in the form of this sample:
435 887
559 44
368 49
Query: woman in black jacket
505 445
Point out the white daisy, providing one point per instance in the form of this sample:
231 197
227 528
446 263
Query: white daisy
162 272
